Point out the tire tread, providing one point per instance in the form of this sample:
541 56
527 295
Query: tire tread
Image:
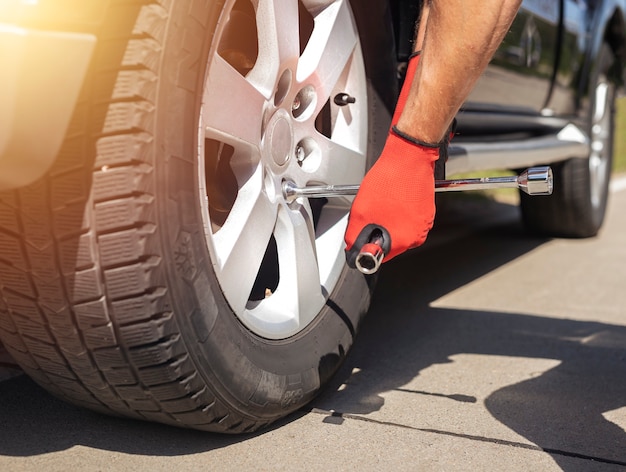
84 306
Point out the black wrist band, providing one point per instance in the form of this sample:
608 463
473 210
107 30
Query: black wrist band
413 140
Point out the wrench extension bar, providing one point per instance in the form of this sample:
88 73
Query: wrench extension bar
533 181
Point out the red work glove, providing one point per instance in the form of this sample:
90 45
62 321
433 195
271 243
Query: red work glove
397 197
406 86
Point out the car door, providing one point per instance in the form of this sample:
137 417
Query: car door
520 75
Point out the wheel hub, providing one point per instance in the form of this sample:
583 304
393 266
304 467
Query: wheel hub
279 138
276 262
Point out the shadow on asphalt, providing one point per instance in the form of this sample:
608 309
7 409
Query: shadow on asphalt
33 423
560 411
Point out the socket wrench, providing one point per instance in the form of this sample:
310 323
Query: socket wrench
533 181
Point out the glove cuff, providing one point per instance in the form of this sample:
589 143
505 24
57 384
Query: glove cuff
442 146
412 140
414 54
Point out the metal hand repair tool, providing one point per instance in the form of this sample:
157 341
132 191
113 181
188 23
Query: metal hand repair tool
533 181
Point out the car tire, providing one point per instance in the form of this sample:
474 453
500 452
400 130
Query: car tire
581 185
116 290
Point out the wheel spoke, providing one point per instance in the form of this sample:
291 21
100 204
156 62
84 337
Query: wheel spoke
299 290
279 41
329 49
242 242
232 106
265 252
341 165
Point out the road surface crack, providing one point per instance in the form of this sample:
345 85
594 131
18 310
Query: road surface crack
501 442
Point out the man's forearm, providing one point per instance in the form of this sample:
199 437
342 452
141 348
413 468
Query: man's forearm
461 38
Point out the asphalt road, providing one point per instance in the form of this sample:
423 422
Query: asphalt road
487 349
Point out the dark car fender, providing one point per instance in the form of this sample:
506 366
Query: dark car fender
608 25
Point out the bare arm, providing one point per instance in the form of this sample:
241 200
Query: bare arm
459 38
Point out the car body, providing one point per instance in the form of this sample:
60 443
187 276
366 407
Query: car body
536 85
44 46
539 71
150 263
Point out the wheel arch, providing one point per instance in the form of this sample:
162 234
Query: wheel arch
368 16
609 25
615 36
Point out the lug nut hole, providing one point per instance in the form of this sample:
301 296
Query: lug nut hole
304 103
308 154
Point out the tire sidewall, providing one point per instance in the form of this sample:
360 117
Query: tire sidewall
263 378
601 69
